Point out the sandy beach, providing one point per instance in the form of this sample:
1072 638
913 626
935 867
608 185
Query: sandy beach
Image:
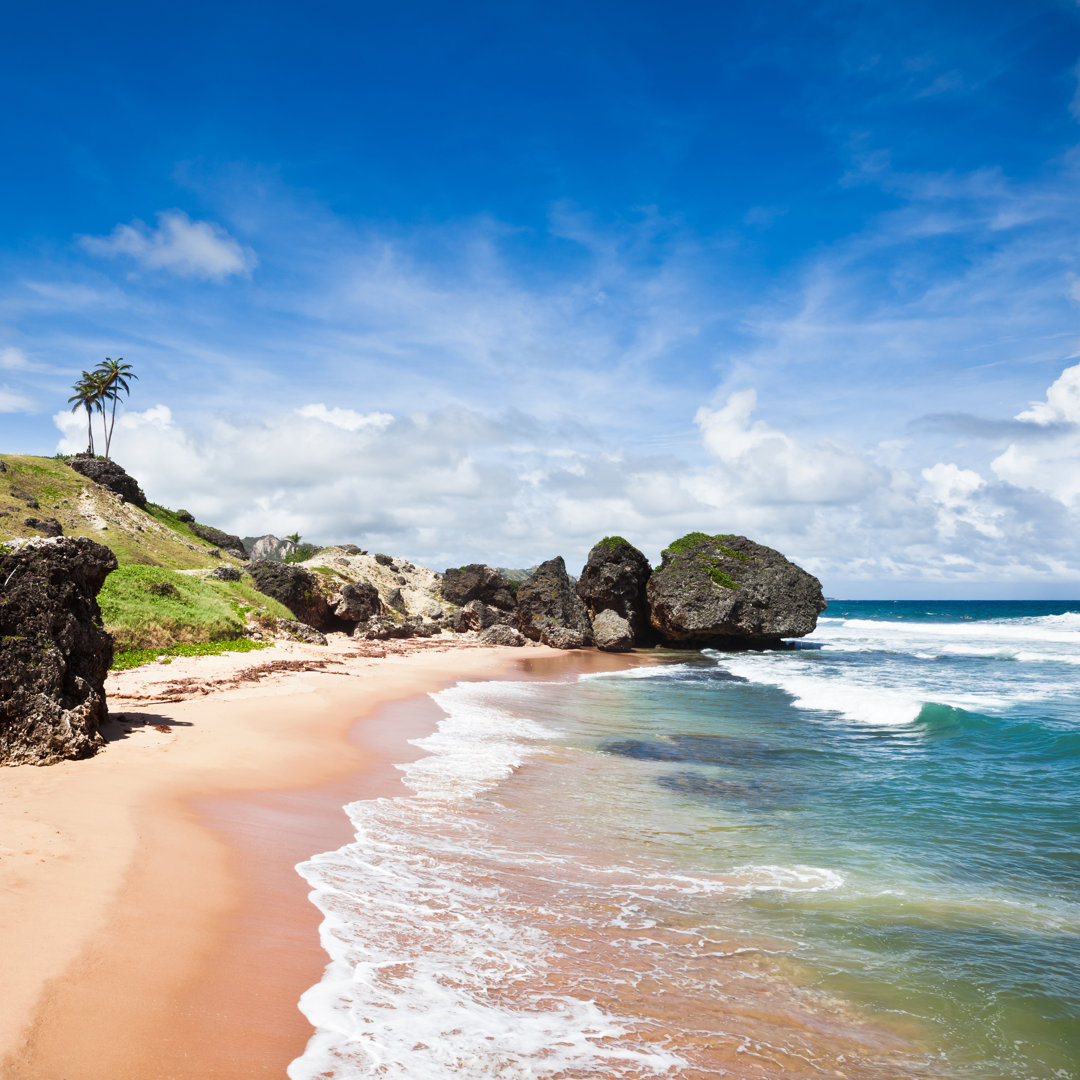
151 924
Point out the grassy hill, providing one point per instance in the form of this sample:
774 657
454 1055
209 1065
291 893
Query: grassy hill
162 594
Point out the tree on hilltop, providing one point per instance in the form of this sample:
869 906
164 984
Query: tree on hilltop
116 375
90 392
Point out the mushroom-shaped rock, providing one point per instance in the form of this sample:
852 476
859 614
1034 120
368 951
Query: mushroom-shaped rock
614 579
547 602
731 593
110 476
54 653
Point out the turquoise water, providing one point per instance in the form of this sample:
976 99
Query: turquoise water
856 857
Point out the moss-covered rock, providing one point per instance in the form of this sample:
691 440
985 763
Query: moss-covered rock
614 579
729 592
548 607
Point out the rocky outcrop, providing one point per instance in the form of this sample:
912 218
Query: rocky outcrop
111 476
268 547
728 592
231 545
548 608
298 590
226 573
501 634
54 654
358 602
614 579
476 615
478 582
611 632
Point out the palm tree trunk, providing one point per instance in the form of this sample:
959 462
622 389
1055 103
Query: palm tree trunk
112 424
89 429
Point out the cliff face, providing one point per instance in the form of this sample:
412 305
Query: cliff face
54 654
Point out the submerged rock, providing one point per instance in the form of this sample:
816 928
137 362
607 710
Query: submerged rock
547 603
110 476
54 653
614 579
731 593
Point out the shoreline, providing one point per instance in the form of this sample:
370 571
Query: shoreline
152 922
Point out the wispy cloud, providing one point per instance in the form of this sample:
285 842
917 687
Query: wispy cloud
197 249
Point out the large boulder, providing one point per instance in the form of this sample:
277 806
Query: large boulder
476 615
614 579
109 475
547 603
728 592
231 545
298 589
612 632
358 602
500 634
478 582
54 653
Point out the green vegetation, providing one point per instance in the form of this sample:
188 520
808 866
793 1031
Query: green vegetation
142 613
708 555
302 553
105 383
612 542
130 658
721 578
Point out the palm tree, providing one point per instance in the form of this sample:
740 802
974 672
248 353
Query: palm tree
90 392
115 374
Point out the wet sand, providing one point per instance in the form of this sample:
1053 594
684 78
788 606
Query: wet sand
151 924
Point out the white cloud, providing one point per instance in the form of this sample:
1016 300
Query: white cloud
346 419
1050 464
178 245
771 467
13 359
11 401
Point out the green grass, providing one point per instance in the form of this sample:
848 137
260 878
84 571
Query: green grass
199 610
130 658
612 542
721 578
694 539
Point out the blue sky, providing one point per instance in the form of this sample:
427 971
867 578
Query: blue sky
490 281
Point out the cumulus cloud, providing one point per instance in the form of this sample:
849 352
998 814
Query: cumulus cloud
773 467
196 249
453 485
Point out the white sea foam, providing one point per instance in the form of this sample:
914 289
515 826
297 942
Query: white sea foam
436 969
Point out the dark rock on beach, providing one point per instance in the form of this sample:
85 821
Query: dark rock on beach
110 476
296 588
54 653
549 610
476 615
501 634
614 579
731 593
478 582
358 602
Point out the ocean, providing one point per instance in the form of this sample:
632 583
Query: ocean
859 857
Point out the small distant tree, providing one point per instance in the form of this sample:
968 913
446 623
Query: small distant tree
116 376
294 537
